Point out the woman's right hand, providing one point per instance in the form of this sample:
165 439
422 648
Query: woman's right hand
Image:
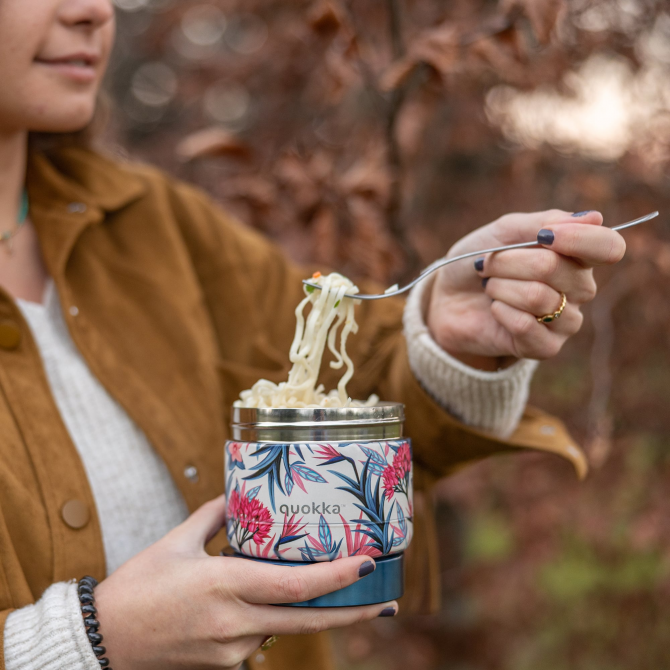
173 606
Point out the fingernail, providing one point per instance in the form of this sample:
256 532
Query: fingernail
366 568
387 611
545 236
485 281
584 213
479 264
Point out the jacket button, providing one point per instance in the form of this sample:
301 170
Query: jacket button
75 513
191 473
76 208
10 335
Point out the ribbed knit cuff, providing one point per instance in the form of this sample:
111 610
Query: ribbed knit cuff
50 634
490 401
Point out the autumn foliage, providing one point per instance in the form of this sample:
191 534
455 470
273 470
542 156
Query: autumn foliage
371 135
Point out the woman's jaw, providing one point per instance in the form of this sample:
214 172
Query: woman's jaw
53 56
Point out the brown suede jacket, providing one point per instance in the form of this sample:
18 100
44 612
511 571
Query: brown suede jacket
176 309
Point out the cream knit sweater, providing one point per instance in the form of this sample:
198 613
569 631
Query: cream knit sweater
136 499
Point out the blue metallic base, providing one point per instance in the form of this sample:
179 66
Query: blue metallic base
386 583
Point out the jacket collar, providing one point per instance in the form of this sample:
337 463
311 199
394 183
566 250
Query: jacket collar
80 175
70 190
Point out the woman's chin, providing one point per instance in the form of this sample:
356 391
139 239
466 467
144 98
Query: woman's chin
67 121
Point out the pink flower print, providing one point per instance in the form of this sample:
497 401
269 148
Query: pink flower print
234 451
402 461
255 518
395 475
233 506
390 477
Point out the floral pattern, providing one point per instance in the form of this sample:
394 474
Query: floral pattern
319 501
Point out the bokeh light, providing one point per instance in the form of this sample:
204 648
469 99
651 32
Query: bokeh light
247 34
154 84
226 103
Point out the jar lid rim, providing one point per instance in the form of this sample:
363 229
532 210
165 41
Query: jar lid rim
381 413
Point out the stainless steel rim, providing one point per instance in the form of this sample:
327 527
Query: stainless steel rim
382 421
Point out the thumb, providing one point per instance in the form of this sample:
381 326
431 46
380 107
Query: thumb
201 526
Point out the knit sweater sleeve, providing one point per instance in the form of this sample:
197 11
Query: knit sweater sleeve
490 401
50 634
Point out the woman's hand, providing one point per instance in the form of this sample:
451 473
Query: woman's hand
173 606
486 315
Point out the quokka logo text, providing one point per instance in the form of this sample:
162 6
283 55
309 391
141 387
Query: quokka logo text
316 508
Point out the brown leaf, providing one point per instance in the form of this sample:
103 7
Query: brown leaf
324 230
438 48
325 17
259 192
368 179
210 142
498 55
542 14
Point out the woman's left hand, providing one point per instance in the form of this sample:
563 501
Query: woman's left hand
486 315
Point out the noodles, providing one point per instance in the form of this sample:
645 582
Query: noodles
330 311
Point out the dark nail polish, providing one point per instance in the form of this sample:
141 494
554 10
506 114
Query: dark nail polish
479 264
584 213
387 611
545 236
366 568
485 281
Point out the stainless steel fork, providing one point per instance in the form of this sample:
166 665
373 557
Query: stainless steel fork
446 261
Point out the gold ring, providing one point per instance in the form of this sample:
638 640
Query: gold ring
548 318
269 641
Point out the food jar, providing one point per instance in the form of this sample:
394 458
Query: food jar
318 484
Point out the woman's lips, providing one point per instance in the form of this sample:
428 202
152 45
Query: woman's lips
77 68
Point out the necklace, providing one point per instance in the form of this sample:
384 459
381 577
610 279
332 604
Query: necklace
8 236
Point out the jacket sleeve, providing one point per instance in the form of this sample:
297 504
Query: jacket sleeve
251 290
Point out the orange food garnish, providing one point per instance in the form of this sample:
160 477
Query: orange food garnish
316 275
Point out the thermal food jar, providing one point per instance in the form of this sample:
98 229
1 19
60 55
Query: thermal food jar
318 484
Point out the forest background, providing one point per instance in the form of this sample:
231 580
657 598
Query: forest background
370 135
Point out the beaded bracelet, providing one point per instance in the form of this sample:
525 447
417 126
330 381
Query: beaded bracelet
87 600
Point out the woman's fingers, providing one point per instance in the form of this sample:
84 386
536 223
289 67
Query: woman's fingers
532 339
267 583
529 296
200 527
536 299
523 227
306 620
544 266
590 245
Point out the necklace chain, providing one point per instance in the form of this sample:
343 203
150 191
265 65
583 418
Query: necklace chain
8 235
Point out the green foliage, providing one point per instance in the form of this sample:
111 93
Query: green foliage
579 572
489 539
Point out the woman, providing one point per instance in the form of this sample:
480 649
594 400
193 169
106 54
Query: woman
133 312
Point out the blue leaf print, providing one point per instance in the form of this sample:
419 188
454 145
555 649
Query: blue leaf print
270 467
374 456
290 538
398 541
307 554
325 536
288 483
229 481
401 522
308 473
376 469
253 492
395 446
312 554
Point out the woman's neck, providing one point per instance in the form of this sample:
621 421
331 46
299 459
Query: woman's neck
22 270
13 156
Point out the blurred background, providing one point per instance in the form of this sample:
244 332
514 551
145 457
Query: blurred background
370 135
